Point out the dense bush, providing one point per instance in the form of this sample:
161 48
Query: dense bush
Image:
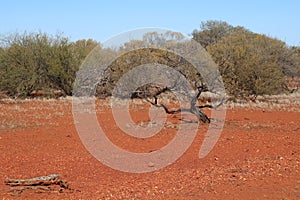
37 61
250 64
142 56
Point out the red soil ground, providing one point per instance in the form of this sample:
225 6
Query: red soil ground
256 157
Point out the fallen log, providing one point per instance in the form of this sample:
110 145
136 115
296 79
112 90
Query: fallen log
42 180
19 190
37 183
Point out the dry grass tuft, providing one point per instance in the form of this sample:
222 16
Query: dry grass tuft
286 102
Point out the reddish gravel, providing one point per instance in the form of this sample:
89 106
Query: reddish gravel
256 157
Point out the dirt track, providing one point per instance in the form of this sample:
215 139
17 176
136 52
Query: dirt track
257 156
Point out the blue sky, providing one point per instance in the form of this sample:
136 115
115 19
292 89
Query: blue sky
100 20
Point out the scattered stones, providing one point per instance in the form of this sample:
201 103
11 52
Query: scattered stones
232 169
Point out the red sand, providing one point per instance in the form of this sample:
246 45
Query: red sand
256 157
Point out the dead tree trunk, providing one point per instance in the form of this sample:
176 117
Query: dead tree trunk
194 109
45 183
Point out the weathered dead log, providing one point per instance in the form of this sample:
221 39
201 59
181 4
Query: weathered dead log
19 190
42 180
37 183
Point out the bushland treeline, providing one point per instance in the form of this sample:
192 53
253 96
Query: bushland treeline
251 64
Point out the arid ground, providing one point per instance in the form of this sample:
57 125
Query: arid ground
256 157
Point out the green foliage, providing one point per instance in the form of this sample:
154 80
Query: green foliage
141 56
145 53
249 63
37 61
291 67
211 31
81 49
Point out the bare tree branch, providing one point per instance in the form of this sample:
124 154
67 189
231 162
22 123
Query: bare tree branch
193 108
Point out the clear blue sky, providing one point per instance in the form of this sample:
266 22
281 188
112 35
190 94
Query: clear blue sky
100 20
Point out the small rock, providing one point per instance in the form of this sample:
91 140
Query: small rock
151 164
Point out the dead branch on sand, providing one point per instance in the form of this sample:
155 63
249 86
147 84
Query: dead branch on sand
41 183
